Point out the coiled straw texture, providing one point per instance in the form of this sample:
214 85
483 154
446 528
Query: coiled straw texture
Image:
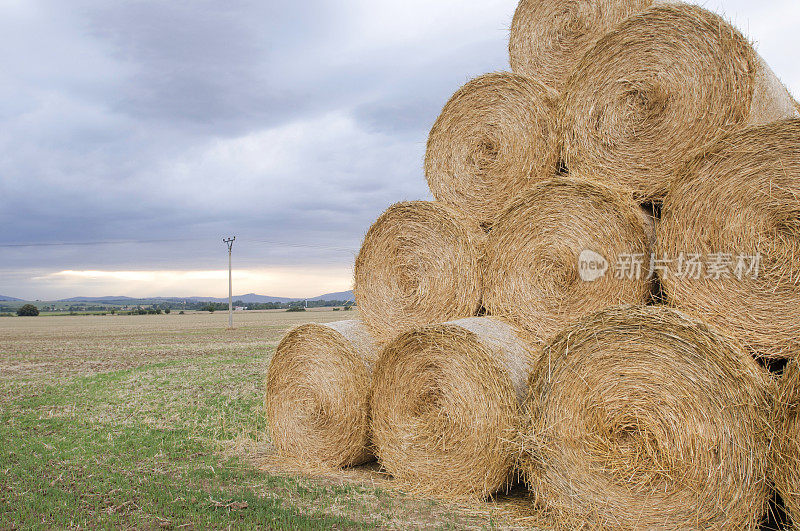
642 418
549 37
535 252
418 265
659 85
786 446
317 394
493 138
736 212
445 407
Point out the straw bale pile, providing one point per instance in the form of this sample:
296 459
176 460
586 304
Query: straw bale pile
537 247
317 393
641 417
737 208
493 139
418 265
549 37
445 406
487 349
624 111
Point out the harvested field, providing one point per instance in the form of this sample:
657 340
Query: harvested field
158 421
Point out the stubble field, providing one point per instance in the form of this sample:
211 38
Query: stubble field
157 421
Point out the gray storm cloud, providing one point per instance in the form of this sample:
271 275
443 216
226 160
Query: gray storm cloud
291 123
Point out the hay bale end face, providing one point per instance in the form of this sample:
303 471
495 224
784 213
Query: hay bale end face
736 211
786 446
445 407
492 139
641 417
317 394
564 249
549 37
623 112
418 265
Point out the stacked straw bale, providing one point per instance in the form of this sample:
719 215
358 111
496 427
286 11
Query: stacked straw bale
418 265
531 273
445 406
617 414
642 417
549 37
741 199
317 398
492 140
786 446
660 84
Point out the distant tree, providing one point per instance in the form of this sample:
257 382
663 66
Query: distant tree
208 308
28 310
167 310
296 309
181 312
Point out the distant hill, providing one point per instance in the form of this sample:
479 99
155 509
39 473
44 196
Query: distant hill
250 297
97 299
7 298
247 298
338 296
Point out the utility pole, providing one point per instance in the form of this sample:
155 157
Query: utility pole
229 243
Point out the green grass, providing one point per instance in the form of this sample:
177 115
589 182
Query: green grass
66 463
82 476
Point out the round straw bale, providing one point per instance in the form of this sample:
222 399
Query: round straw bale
445 407
736 212
786 446
549 37
418 265
564 249
317 394
494 137
661 84
644 418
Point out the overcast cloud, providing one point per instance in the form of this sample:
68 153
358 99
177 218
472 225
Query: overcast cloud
291 125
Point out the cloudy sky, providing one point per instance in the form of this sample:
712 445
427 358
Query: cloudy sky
135 135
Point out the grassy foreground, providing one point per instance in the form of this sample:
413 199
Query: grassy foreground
136 421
